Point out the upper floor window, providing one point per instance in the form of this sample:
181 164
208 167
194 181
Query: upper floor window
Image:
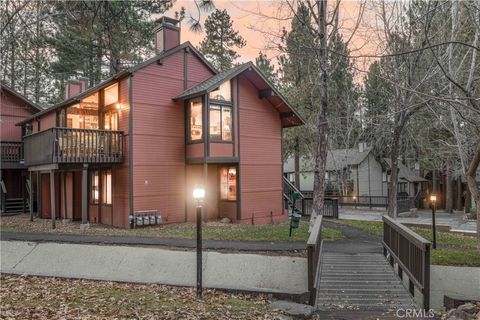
196 127
111 94
220 123
223 93
110 120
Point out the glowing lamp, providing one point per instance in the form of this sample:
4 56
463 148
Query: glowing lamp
198 194
119 106
433 198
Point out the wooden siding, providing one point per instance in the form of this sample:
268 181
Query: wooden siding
195 150
120 172
260 157
221 149
159 135
12 111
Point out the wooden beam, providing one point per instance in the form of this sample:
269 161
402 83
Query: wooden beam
84 194
266 93
287 114
39 194
52 198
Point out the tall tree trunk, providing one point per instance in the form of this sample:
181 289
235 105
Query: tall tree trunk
449 188
471 176
297 164
458 201
321 125
393 184
468 201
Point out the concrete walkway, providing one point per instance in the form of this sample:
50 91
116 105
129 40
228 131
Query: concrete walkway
455 221
246 272
155 241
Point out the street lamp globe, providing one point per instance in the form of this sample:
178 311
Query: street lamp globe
198 194
433 198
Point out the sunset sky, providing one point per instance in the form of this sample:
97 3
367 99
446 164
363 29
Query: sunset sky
261 22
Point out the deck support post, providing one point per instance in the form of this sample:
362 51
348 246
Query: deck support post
84 194
52 198
39 193
30 196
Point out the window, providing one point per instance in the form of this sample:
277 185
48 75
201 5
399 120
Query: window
110 94
85 114
223 93
196 127
107 187
94 188
228 183
111 120
220 123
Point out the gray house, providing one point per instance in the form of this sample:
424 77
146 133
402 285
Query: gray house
353 172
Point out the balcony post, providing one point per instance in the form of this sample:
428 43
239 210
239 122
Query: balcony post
39 194
30 196
52 198
84 195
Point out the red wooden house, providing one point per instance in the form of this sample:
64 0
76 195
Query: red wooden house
143 139
14 107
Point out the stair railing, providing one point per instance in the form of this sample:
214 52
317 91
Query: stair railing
288 190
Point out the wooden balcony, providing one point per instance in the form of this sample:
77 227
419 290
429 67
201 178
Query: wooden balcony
11 154
67 145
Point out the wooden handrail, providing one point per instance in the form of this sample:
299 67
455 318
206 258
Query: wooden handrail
412 254
314 252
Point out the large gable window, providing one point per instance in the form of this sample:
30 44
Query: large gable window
195 121
223 93
111 94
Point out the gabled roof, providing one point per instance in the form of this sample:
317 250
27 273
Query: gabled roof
212 83
405 173
21 97
288 114
121 75
338 159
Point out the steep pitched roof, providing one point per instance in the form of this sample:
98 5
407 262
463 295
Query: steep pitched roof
213 82
21 97
289 116
338 159
121 75
405 173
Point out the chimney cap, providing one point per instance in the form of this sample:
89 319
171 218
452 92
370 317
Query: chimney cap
168 22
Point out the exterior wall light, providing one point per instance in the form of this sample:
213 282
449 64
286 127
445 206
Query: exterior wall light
119 106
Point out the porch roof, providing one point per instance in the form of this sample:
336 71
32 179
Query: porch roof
266 90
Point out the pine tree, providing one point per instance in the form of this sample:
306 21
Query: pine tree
264 64
220 40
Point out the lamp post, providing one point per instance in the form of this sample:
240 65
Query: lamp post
433 200
199 195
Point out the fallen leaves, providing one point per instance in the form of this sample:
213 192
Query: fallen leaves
25 297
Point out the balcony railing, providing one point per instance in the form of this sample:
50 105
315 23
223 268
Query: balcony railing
67 145
11 151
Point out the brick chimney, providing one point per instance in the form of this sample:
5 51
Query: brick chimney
167 34
75 86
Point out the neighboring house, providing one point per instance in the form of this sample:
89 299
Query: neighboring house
354 172
144 138
13 108
409 182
